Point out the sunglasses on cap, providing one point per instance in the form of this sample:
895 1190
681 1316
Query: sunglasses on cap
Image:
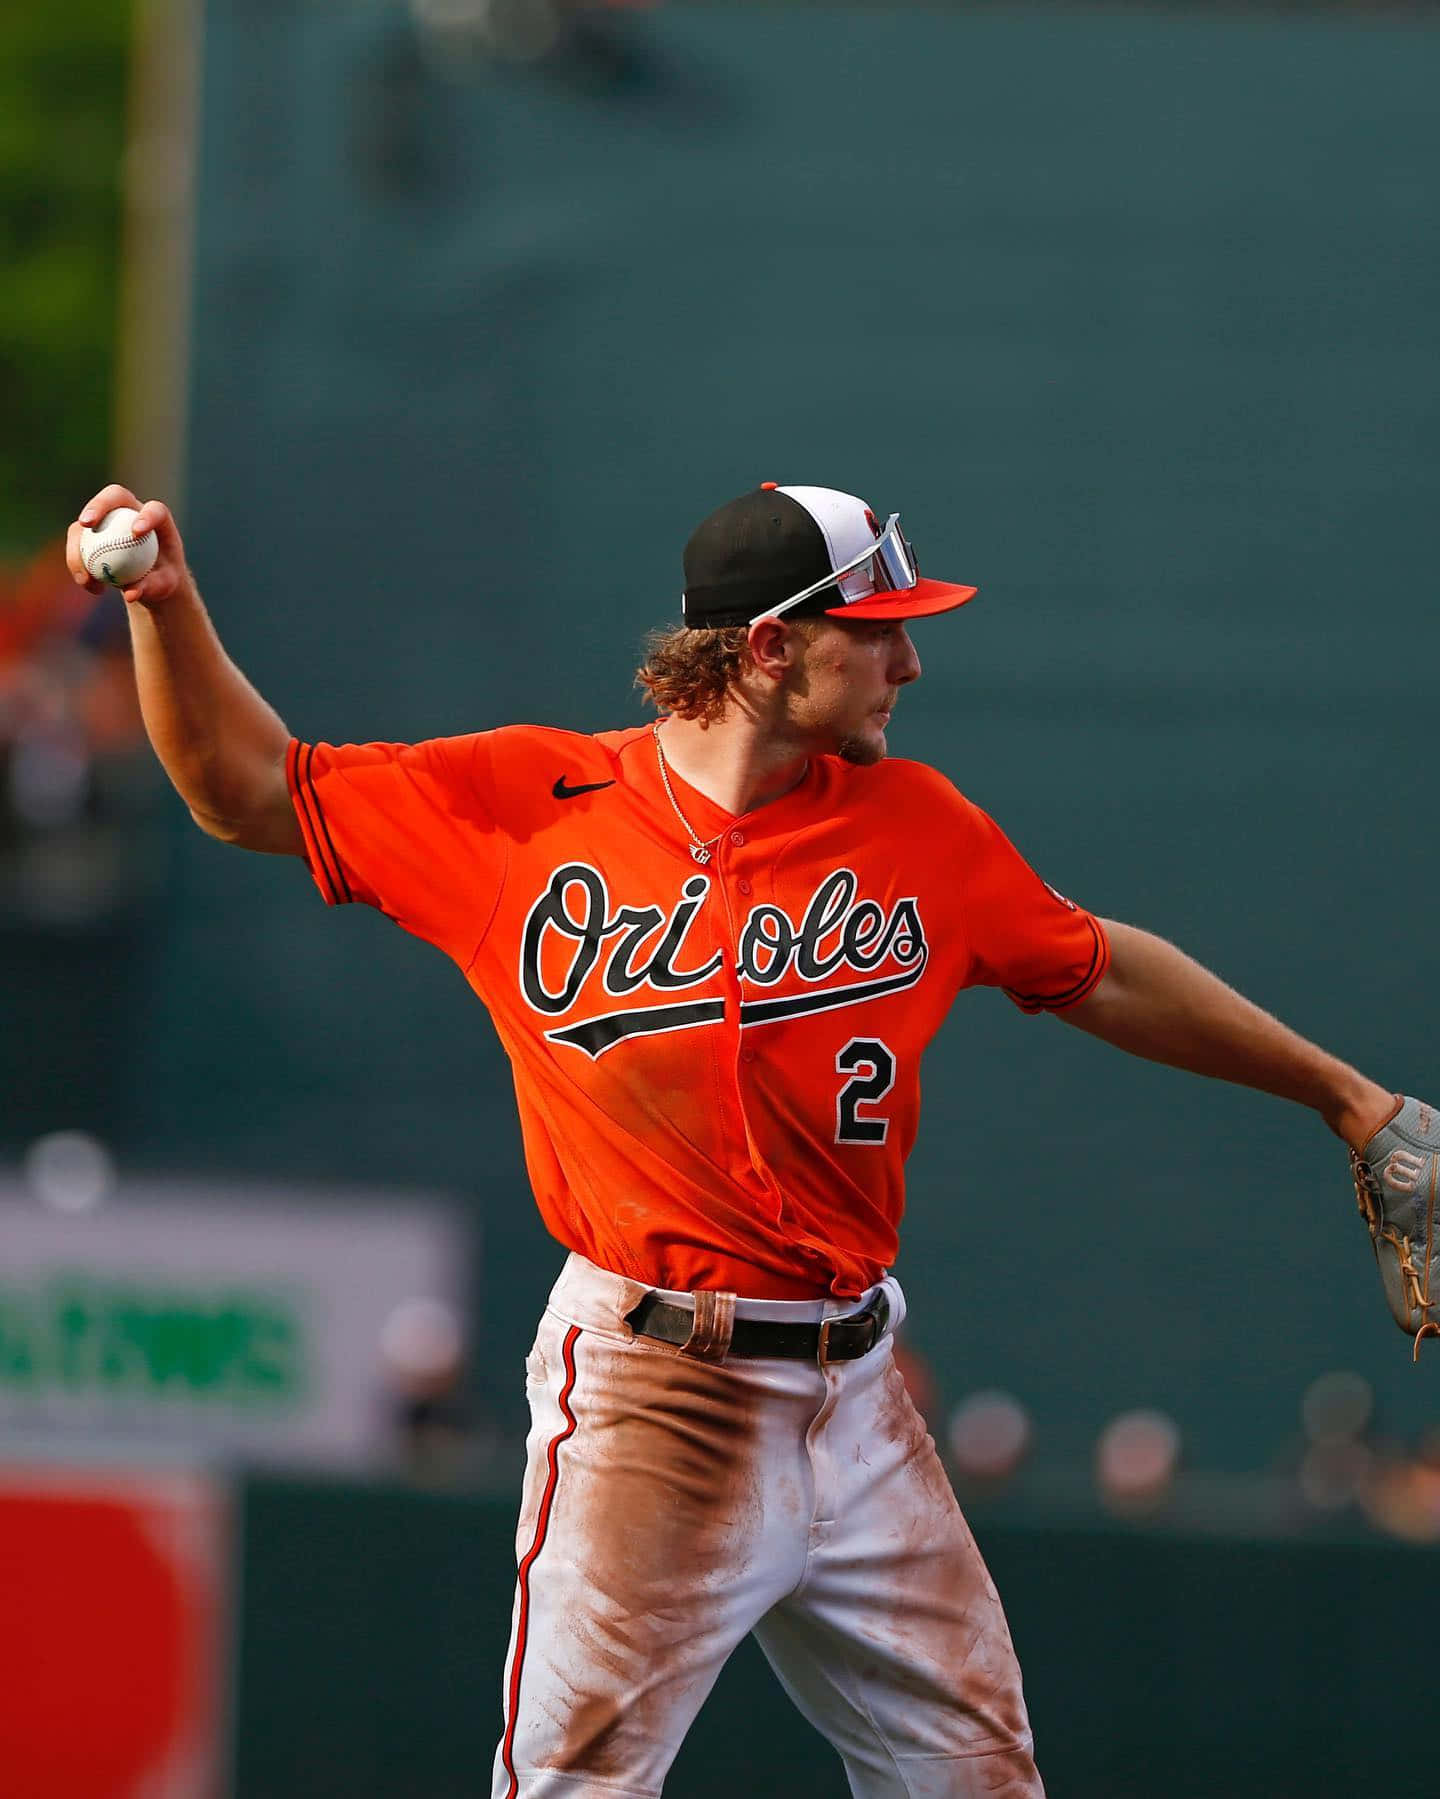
886 566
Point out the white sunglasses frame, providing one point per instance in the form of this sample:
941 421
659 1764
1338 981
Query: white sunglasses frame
835 575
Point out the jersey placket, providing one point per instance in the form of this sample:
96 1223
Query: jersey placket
740 862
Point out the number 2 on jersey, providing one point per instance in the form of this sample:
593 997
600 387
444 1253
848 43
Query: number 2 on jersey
871 1067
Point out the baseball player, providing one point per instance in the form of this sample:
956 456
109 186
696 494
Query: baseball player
715 949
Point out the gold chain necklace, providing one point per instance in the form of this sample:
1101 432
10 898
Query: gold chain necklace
700 849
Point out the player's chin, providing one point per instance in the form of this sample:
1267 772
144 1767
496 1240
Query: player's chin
866 746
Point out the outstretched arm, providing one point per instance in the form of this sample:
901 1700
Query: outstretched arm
222 746
1155 1002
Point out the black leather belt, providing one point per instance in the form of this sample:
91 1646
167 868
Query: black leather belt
832 1340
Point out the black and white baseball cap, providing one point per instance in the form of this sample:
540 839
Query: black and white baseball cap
800 552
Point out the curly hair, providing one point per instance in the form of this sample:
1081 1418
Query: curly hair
690 672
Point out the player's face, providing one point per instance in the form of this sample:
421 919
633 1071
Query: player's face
847 682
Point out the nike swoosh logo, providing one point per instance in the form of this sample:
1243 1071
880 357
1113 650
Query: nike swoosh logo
562 792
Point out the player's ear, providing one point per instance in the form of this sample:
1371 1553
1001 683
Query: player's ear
774 647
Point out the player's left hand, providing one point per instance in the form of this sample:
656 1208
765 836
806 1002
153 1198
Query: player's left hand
1396 1176
169 572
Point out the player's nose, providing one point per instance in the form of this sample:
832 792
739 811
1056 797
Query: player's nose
905 663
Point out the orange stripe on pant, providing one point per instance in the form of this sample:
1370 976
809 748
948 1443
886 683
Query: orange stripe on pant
542 1527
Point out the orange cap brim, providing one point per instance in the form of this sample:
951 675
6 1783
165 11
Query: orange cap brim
919 601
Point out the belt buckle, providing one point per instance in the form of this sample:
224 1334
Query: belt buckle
875 1318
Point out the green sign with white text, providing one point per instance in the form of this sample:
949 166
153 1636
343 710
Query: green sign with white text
210 1344
218 1319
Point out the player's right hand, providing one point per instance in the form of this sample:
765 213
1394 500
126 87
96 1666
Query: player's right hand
169 572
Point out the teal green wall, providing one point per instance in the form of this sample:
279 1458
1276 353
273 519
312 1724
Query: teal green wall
1168 1664
1133 315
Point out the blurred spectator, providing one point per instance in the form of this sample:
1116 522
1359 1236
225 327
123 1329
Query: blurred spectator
583 44
989 1437
69 1171
74 776
522 30
1402 1496
1337 1462
441 1437
1136 1459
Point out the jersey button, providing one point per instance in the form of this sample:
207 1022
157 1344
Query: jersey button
742 885
747 1055
737 838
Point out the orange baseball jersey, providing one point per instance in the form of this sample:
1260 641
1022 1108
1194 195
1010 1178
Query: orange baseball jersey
717 1066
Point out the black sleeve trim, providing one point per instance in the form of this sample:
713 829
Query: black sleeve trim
334 888
307 822
1049 1002
339 866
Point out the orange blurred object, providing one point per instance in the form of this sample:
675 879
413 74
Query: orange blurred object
110 1660
65 655
39 600
919 1381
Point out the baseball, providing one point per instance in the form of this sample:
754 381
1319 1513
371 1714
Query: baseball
111 552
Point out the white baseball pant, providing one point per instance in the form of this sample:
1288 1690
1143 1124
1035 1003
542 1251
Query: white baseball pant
671 1505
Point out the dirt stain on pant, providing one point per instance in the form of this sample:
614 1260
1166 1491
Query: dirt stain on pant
944 1626
697 1501
664 1506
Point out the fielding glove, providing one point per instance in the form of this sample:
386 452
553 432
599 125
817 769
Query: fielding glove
1395 1187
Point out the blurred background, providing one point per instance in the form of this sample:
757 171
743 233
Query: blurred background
441 325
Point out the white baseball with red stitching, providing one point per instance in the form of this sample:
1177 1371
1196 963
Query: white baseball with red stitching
113 553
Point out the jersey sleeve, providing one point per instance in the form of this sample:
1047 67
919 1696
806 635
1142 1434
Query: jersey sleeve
408 828
1043 950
